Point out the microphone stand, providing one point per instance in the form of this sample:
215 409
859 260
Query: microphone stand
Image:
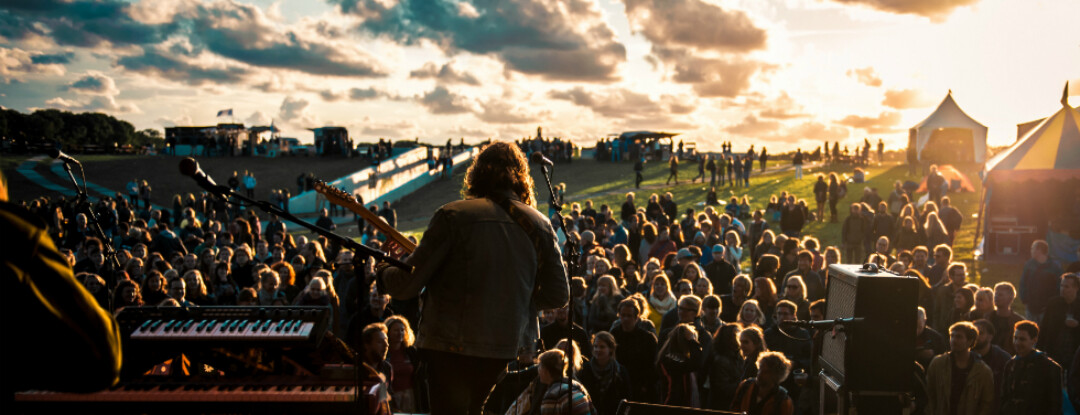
82 204
357 247
570 256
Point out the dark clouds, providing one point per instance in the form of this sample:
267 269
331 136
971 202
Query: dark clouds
554 39
154 63
866 76
726 76
94 83
445 74
295 110
228 29
62 58
694 23
936 10
243 33
441 101
102 90
84 23
702 44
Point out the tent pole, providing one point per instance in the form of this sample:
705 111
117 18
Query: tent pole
982 218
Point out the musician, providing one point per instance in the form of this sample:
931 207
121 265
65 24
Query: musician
61 339
483 279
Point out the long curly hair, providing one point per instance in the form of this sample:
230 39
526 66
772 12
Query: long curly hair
499 166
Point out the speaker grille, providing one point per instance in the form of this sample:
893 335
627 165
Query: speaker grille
840 303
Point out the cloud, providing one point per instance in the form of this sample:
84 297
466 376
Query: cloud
500 111
775 131
782 108
62 58
94 82
935 10
461 131
244 33
85 23
353 94
441 101
726 77
104 103
752 126
296 111
567 40
258 118
883 123
866 76
174 121
16 64
701 43
235 31
816 131
444 74
695 24
156 63
628 106
392 129
905 98
103 90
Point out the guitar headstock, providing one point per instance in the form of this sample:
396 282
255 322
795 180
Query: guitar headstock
332 192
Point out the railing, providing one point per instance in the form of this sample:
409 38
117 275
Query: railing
391 180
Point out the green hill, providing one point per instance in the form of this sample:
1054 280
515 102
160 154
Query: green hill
607 183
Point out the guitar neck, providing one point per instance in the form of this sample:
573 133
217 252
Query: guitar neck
346 201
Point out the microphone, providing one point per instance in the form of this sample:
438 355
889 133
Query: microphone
825 324
60 155
189 167
538 158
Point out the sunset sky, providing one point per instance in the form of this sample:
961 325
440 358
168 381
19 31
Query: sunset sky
776 73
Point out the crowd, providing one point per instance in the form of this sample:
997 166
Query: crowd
667 306
681 307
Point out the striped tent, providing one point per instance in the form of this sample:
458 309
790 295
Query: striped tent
1040 170
1051 150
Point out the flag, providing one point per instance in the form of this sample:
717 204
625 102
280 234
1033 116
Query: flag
225 112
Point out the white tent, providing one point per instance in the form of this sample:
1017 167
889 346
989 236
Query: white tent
949 126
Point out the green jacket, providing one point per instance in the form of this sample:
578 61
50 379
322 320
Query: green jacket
977 397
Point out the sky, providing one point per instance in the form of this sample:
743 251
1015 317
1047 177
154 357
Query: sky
784 74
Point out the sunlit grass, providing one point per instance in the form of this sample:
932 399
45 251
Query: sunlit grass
607 183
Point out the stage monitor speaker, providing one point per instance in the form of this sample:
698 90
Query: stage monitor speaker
876 354
638 408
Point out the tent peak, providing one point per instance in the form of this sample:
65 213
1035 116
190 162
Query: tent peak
1065 95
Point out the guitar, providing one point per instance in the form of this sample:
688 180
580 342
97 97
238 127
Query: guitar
397 246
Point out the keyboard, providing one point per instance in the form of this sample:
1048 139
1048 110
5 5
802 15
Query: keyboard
201 393
219 325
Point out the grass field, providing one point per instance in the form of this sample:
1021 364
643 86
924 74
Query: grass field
607 183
